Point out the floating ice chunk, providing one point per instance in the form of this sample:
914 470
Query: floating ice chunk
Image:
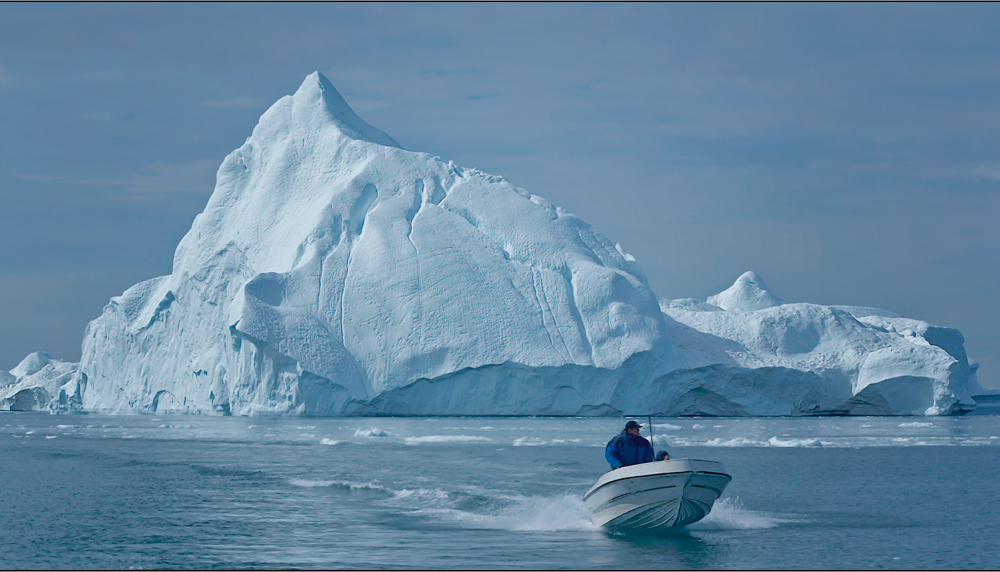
446 439
373 432
775 442
666 427
735 442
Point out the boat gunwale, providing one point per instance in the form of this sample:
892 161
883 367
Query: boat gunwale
618 480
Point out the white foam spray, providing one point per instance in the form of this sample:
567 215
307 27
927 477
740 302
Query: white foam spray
730 514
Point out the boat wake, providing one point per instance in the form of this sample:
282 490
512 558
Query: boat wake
524 513
730 514
474 507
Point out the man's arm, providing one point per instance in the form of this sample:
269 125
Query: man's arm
611 454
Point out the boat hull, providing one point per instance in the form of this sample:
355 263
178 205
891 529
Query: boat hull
657 495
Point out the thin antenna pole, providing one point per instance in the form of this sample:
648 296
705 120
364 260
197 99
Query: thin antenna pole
651 444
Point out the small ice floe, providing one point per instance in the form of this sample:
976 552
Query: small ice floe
663 440
916 424
325 441
51 436
373 432
529 442
775 442
667 427
720 442
29 432
445 439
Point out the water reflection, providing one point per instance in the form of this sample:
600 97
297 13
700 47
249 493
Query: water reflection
667 549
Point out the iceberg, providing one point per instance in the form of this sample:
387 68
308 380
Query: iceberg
39 382
754 355
333 272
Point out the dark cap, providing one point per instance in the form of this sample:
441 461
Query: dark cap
632 425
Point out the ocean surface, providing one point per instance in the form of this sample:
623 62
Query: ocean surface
143 491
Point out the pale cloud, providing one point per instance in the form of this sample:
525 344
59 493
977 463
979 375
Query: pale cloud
162 178
921 170
989 171
36 177
157 179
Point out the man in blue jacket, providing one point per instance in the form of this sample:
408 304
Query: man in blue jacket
628 448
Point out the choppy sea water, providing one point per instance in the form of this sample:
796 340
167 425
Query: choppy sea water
119 492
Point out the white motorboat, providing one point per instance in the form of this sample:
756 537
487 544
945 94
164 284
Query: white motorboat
658 495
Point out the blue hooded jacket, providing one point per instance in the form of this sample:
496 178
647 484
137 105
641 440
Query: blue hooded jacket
626 449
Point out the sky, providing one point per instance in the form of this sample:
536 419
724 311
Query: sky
847 153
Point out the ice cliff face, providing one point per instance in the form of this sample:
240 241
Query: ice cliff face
334 273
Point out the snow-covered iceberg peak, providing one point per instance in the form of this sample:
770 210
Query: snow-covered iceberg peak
333 272
748 293
318 103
